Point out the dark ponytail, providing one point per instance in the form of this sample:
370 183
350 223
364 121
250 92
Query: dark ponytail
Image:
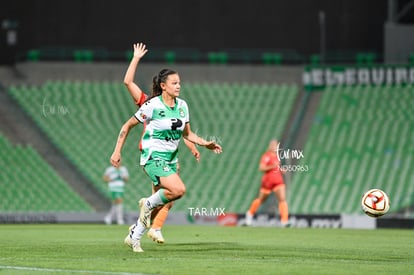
161 77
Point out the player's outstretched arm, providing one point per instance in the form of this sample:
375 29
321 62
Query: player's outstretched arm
194 138
116 155
134 90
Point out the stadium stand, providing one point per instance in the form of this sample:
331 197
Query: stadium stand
29 184
83 119
361 138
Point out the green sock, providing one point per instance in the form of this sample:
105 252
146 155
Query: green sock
157 199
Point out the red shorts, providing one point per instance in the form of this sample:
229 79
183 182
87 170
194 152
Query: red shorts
270 184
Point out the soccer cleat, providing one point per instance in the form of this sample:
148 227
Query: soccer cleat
249 219
144 213
136 246
128 239
156 236
107 220
285 224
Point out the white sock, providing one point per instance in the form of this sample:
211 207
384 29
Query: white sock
119 213
155 200
137 231
111 212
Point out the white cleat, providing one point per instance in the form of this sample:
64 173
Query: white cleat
136 246
107 220
128 239
144 213
156 236
249 219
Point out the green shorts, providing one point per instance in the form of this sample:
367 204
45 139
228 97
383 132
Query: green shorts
117 195
159 168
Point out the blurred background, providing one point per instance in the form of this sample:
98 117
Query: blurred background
297 30
330 79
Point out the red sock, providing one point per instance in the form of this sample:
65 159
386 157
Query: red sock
160 218
254 206
283 211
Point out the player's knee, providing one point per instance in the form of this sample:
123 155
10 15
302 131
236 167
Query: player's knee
179 191
182 190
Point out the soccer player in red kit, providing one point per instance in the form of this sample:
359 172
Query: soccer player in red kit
272 181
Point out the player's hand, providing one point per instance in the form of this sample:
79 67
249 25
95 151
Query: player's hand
140 50
216 148
196 154
116 159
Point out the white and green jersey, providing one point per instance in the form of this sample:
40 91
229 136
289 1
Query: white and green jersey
163 130
116 178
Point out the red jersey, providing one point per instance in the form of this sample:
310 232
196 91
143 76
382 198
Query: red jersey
272 177
139 103
141 100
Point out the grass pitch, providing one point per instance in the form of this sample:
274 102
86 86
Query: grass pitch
99 249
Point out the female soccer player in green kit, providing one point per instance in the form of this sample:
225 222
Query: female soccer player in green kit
160 214
166 119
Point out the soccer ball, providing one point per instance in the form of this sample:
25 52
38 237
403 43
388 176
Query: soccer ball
375 203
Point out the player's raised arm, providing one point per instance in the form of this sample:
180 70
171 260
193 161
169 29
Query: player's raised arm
133 89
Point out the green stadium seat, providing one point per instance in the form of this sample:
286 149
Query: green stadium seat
33 55
217 57
128 55
411 58
170 57
365 58
83 55
272 58
315 59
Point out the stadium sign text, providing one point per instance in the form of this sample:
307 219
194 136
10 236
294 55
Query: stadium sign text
321 77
